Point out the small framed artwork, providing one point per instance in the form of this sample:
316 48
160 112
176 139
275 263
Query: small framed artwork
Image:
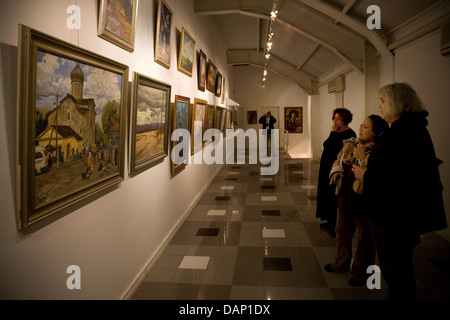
149 127
198 123
293 119
180 120
218 84
211 77
186 54
117 21
228 120
223 118
209 117
72 133
222 97
218 117
163 34
202 70
252 117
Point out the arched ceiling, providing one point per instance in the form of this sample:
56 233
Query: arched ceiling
314 39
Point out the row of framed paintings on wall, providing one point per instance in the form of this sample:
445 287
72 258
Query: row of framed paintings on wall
293 119
72 114
119 29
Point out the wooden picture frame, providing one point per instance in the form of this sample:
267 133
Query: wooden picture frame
252 117
217 117
163 43
70 142
209 117
180 120
202 71
211 77
149 123
218 92
293 119
186 53
198 114
222 96
117 22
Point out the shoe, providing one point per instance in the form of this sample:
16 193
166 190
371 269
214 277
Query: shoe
356 283
328 268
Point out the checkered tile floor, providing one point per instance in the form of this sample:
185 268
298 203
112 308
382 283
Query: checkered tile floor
254 237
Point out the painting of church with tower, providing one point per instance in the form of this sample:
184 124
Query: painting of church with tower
77 118
71 125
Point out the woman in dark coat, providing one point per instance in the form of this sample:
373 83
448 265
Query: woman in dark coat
402 188
326 208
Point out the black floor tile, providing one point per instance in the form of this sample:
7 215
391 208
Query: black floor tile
277 264
271 212
208 232
223 198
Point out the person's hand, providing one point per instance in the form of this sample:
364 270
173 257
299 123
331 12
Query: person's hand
335 177
334 127
358 171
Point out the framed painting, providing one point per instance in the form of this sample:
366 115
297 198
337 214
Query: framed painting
252 117
180 120
198 124
228 120
223 116
209 117
163 34
293 119
202 70
211 77
72 114
117 21
218 117
186 54
222 97
149 126
218 85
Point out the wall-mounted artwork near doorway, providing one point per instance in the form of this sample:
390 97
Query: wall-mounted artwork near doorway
252 117
293 119
72 113
149 125
163 34
116 22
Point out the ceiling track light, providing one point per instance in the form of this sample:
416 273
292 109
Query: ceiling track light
273 17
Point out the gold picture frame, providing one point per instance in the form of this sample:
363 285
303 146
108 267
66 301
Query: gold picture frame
149 123
198 114
186 53
180 120
117 22
163 42
70 146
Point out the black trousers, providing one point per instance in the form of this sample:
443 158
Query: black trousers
395 254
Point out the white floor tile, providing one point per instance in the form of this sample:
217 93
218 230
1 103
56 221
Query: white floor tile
308 186
227 188
194 262
273 233
269 198
213 212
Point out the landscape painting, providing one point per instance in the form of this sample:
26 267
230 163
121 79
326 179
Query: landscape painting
117 19
186 54
149 124
73 118
180 119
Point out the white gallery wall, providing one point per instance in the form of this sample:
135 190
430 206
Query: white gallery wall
117 234
278 93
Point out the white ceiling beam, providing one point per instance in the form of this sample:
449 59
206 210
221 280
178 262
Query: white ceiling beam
347 7
360 28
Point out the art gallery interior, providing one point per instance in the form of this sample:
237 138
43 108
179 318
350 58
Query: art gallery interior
207 231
